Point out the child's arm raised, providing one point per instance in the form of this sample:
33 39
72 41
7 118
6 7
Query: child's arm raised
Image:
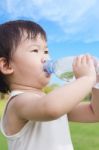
84 112
61 100
95 99
87 111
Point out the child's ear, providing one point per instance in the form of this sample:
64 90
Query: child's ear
5 67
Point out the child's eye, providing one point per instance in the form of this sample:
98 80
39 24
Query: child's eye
35 50
45 52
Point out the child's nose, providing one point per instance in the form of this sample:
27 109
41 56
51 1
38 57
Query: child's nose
43 60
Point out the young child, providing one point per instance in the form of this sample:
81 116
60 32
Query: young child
33 120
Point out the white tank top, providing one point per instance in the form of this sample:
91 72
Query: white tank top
35 135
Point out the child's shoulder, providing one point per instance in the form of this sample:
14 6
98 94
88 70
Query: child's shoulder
23 100
26 97
24 104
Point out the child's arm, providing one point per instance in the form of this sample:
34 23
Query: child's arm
95 98
61 100
84 112
95 101
87 111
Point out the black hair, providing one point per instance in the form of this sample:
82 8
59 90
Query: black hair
10 36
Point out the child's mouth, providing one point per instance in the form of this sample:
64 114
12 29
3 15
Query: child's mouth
47 74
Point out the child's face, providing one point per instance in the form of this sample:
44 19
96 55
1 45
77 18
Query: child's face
27 63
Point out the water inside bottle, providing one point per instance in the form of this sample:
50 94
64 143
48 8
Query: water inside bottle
63 69
65 72
67 76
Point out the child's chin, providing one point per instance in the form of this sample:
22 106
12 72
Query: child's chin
46 82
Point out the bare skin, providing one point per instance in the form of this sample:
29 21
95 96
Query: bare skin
25 73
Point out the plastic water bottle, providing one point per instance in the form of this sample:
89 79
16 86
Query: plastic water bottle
62 68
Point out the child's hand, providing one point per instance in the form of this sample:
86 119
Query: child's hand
96 64
84 66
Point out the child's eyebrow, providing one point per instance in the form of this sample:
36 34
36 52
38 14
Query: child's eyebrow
38 46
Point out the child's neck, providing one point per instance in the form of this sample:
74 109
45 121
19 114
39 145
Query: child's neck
26 88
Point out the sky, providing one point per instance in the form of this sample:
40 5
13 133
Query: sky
72 26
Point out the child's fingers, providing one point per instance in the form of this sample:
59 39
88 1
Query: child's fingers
74 61
83 60
87 59
90 60
77 61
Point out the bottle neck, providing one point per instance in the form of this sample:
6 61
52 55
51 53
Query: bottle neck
49 66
